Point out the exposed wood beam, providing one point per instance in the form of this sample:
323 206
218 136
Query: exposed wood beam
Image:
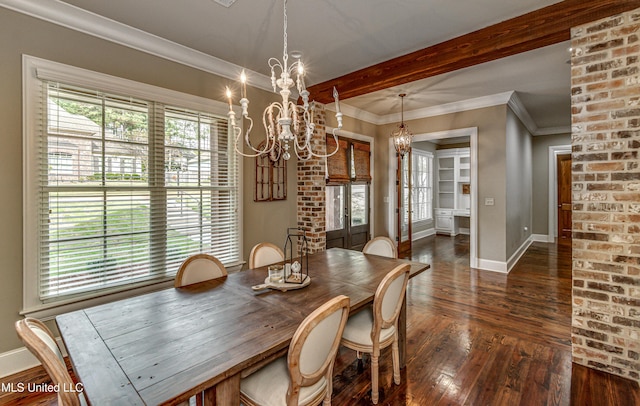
539 28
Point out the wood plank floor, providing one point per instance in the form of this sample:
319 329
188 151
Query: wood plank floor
474 338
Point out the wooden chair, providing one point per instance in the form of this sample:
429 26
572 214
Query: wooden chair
305 376
263 254
40 341
373 329
383 246
198 268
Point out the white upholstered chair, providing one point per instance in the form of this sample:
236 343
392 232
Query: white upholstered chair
39 340
304 376
383 246
376 327
198 268
263 254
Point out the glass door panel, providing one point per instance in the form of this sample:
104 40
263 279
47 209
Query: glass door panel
404 203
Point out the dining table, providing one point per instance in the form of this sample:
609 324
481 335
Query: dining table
163 347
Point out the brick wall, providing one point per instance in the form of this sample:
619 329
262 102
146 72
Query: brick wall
605 81
311 188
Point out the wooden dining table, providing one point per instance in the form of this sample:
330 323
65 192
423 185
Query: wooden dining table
166 346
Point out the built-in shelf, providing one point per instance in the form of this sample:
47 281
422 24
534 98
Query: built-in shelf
453 195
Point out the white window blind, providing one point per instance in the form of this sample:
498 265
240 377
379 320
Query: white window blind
422 185
128 188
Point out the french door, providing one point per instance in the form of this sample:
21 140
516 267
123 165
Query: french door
404 210
347 215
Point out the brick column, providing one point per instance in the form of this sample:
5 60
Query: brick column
311 188
605 80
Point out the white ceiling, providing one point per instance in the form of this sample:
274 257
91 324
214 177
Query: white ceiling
337 37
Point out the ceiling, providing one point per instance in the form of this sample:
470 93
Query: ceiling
337 37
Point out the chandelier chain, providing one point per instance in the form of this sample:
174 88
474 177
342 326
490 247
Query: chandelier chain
285 54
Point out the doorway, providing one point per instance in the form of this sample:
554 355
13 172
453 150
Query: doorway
472 134
552 226
347 215
563 165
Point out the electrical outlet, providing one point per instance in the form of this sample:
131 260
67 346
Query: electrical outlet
488 201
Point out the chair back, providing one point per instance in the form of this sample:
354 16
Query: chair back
263 254
40 341
198 268
381 245
313 347
388 299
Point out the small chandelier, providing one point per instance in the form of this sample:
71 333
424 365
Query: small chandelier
401 136
284 122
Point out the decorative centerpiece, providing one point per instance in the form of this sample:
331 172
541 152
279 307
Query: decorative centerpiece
296 259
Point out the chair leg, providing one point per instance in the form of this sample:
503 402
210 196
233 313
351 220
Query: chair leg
374 378
327 396
396 361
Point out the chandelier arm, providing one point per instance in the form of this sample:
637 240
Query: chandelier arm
238 132
308 128
335 138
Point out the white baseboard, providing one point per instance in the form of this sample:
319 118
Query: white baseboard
542 238
465 231
20 359
423 234
505 267
518 254
495 266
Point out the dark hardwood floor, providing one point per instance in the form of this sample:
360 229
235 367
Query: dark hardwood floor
474 338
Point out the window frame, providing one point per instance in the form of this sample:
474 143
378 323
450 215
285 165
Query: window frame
34 72
428 155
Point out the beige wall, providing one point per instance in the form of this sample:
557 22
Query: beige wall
20 34
518 183
540 147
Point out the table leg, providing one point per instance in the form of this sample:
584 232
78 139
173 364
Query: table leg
224 393
402 333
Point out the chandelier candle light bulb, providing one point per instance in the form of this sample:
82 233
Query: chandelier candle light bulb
284 122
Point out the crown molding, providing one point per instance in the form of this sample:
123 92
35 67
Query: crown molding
75 18
509 98
553 130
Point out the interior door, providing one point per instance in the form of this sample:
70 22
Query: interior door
403 211
347 215
564 197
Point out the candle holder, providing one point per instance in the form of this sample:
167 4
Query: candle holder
296 268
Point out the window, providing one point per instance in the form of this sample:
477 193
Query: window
422 185
126 186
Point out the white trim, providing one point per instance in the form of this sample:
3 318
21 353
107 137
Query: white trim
513 260
494 266
472 132
371 140
505 267
552 224
423 234
540 238
75 18
509 98
78 19
21 359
